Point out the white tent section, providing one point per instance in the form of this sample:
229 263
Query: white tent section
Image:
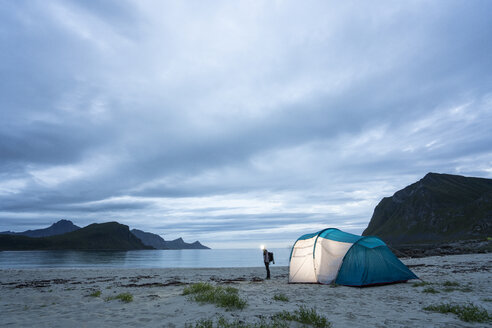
302 261
323 266
328 259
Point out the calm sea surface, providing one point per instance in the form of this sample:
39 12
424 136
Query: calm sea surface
196 258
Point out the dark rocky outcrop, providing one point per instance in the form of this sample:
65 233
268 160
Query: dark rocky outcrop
469 246
439 209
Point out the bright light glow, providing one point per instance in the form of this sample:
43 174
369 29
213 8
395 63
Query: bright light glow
262 246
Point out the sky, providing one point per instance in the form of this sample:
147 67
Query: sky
236 123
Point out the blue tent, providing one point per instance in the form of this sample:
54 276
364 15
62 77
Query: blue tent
331 255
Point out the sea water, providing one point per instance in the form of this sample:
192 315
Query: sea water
189 258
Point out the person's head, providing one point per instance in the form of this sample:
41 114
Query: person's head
264 250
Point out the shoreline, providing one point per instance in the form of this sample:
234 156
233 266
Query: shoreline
59 297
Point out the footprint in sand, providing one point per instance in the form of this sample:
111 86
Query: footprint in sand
350 316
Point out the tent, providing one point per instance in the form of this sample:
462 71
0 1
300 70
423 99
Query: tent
331 255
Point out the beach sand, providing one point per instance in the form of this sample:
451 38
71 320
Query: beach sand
58 297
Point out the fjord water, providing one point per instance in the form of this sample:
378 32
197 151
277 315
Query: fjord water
189 258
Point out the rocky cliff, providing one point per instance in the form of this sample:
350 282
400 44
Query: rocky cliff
439 208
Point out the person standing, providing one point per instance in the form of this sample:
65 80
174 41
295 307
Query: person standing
266 260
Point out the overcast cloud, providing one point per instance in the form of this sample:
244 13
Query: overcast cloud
236 122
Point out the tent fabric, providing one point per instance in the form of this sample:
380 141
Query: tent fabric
338 235
300 260
331 255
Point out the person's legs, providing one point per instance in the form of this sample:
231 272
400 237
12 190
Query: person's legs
267 266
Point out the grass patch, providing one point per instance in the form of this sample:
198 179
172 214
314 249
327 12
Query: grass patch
96 293
201 287
226 297
305 316
281 297
487 299
463 289
450 284
224 323
124 297
468 313
430 290
203 323
421 284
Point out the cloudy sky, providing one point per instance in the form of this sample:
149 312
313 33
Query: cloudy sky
236 122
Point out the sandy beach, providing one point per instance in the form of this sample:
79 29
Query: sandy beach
60 297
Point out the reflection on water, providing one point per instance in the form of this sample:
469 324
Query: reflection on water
196 258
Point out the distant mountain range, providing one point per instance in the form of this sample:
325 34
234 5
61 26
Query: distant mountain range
105 236
439 208
58 228
157 242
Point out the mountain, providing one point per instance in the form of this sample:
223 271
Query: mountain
439 208
103 236
157 242
150 239
180 244
58 228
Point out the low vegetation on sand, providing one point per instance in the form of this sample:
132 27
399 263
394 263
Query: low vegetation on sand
468 312
281 297
226 297
222 322
124 297
421 284
430 290
96 293
304 316
449 286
